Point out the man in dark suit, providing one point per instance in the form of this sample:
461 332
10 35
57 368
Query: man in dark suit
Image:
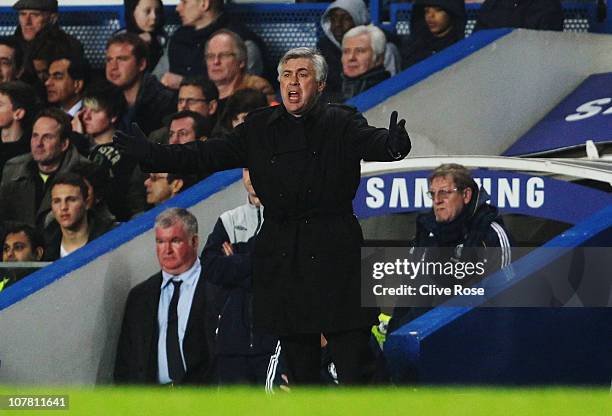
163 337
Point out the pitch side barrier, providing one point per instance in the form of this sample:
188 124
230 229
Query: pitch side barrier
60 325
517 346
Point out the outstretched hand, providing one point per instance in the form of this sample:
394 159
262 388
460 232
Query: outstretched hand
399 142
136 145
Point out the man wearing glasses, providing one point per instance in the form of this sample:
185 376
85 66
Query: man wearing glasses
461 227
198 95
226 63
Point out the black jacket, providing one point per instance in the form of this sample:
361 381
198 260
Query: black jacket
422 43
153 104
50 35
53 234
356 85
23 195
136 360
306 172
186 45
476 235
10 150
527 14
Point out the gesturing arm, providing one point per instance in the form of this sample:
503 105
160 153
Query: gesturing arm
376 144
211 155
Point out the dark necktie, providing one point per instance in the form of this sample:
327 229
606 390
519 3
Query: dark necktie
173 349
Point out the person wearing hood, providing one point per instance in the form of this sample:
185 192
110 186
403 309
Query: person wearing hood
434 26
339 18
461 227
363 52
38 27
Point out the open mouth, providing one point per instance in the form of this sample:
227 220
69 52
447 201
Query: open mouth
294 96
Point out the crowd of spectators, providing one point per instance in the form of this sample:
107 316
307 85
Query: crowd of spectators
63 181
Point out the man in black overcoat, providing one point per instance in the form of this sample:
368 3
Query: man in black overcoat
304 159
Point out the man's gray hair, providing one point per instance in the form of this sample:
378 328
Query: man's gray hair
378 40
171 216
462 177
240 48
318 61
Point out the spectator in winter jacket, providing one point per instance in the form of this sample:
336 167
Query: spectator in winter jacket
339 17
434 26
74 225
25 194
461 227
38 28
148 101
103 107
226 63
185 52
363 53
18 105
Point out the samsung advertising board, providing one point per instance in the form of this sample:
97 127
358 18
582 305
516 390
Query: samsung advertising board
585 114
511 192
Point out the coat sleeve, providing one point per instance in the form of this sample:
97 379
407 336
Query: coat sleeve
498 248
219 269
367 142
211 155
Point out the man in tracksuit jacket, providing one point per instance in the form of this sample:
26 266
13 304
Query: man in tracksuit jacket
243 355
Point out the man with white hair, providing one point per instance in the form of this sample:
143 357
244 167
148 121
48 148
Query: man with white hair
304 163
339 17
363 54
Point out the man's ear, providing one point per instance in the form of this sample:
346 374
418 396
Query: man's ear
79 84
53 18
195 240
65 144
321 86
205 4
467 195
212 107
142 65
176 186
19 114
38 253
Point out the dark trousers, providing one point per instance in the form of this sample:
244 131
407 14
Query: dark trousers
243 369
350 352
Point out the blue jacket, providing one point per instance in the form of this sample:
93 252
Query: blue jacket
233 274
